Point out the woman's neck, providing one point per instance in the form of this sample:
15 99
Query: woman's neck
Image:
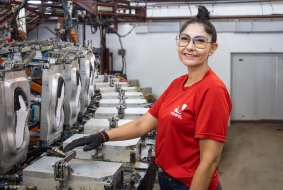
196 74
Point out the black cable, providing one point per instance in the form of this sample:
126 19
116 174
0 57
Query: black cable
121 42
124 61
190 9
140 2
127 33
30 159
38 150
93 29
20 7
271 6
261 8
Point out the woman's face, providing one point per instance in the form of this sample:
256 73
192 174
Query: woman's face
191 56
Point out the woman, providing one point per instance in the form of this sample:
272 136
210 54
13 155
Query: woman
191 116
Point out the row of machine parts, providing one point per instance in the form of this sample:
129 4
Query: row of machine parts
52 93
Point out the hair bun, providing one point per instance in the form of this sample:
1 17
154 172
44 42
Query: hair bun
203 13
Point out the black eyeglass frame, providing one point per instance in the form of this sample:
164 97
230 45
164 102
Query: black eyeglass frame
178 38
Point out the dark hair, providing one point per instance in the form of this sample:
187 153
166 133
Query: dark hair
203 19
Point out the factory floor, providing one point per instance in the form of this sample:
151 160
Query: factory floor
252 158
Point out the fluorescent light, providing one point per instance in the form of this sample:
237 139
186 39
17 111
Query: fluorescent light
34 2
47 13
49 2
105 8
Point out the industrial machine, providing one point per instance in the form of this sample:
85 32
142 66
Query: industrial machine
105 78
117 87
14 109
136 159
122 111
94 67
54 91
111 83
123 101
86 75
93 125
115 95
49 97
73 89
115 151
68 173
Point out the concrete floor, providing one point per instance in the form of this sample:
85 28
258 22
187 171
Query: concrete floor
252 158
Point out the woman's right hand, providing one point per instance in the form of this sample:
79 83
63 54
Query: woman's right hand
90 142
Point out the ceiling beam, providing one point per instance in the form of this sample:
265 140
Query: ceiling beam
5 18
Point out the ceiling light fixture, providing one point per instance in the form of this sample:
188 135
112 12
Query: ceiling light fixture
34 2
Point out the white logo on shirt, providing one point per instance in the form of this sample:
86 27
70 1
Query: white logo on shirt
177 113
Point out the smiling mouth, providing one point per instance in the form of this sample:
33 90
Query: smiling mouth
189 55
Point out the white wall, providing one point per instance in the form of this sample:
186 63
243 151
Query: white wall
41 32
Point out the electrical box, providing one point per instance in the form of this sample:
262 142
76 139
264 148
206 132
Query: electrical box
122 52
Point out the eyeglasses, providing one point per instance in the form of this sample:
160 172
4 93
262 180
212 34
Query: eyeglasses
199 42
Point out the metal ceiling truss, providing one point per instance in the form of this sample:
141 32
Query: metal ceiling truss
121 11
6 12
84 11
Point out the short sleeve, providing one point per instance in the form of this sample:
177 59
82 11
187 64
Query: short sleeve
213 114
154 110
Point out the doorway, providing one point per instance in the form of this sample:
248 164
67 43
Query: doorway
257 87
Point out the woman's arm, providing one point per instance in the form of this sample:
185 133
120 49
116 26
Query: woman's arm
210 153
133 129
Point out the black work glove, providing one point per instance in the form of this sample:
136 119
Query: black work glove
91 142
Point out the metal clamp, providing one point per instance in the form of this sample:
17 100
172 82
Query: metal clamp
62 170
113 121
111 82
121 111
105 77
122 100
121 92
60 59
117 87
